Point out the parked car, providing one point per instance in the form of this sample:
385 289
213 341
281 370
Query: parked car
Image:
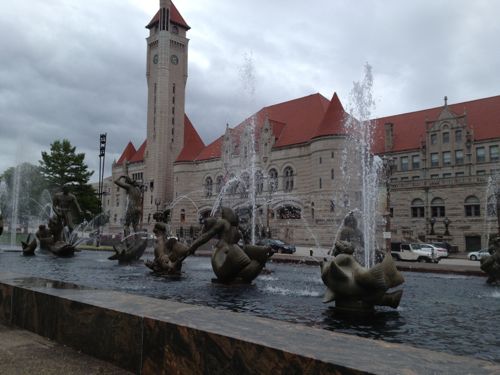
413 252
476 255
439 251
446 245
277 245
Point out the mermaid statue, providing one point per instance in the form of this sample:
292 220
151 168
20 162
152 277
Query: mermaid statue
230 262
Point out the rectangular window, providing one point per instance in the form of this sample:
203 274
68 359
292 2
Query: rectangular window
494 154
480 156
446 175
417 212
447 158
333 154
459 174
404 178
481 172
404 163
320 160
415 178
333 173
458 136
433 139
438 211
459 157
446 137
415 161
435 159
320 183
433 176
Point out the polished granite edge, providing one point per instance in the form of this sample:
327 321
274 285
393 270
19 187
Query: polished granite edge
158 336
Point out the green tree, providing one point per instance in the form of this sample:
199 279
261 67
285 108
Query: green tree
63 166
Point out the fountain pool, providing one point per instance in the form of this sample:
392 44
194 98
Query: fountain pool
444 313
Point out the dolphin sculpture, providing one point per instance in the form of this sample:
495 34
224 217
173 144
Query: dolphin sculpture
350 284
131 248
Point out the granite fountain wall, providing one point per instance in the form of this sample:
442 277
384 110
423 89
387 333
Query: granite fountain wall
150 336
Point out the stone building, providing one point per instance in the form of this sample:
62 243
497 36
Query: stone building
292 157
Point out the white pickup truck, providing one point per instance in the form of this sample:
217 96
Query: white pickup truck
413 252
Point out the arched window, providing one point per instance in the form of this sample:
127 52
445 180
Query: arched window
312 210
437 208
288 179
259 182
417 208
219 182
273 180
208 187
472 206
289 212
183 215
491 207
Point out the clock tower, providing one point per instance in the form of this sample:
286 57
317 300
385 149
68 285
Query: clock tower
166 75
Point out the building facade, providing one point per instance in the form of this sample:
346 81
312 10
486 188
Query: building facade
289 170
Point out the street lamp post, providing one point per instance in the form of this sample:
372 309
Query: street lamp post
389 167
497 198
102 154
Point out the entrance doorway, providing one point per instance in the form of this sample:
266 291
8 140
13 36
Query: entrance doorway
472 243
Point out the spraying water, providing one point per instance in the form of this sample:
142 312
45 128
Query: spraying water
360 169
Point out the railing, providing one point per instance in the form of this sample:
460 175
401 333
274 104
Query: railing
432 182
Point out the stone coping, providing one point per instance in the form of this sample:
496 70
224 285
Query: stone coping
152 336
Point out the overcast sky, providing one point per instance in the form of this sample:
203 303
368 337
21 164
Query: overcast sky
75 69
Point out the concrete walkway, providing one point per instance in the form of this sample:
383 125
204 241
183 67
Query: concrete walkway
23 352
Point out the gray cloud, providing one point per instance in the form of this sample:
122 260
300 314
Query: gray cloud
76 69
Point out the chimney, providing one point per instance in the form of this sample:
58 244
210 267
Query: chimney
389 136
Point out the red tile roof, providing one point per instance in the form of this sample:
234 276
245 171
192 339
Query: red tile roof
127 154
293 122
139 155
175 17
483 117
192 142
333 121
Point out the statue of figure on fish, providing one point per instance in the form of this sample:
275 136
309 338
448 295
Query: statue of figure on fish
230 262
491 263
169 253
356 288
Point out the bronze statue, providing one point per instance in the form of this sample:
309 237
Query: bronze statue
130 249
169 253
230 262
55 241
134 206
44 236
356 288
350 233
62 204
491 264
29 247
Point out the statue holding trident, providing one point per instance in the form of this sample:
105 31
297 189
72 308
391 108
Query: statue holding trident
134 203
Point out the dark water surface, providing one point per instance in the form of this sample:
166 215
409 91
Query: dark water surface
454 314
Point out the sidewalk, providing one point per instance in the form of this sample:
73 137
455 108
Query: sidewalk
23 352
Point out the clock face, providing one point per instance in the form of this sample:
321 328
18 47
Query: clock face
155 59
174 59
